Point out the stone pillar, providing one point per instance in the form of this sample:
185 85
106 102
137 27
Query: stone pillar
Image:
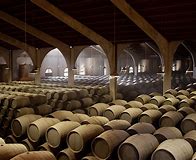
70 77
113 86
37 76
168 73
10 68
70 68
168 52
113 72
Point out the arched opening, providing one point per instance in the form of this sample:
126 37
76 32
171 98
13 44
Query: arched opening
125 63
92 61
53 65
23 66
182 67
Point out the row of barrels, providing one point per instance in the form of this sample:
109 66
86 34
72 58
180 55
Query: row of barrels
101 140
79 80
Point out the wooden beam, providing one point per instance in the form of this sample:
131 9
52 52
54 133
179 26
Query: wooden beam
32 30
10 40
73 23
140 21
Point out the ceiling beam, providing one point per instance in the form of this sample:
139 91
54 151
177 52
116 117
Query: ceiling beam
14 42
24 46
73 23
140 21
32 30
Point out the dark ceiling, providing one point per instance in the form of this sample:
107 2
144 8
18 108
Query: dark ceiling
174 19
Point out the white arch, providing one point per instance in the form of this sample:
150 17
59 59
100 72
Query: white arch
54 60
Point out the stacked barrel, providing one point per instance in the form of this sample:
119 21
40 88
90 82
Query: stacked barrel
152 126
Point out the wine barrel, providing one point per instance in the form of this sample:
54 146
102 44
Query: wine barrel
59 131
61 115
171 101
73 104
10 139
130 114
81 117
171 91
8 151
133 104
150 116
191 138
100 120
117 124
189 123
23 111
37 129
157 100
105 143
137 147
118 102
173 149
113 111
106 98
45 147
155 94
194 157
68 154
165 133
97 109
20 124
186 103
143 98
86 102
82 93
140 128
166 108
79 137
183 92
20 101
8 100
168 95
149 106
71 94
31 146
37 99
43 109
89 158
81 111
170 119
181 97
35 155
186 111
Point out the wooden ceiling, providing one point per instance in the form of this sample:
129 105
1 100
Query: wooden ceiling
174 19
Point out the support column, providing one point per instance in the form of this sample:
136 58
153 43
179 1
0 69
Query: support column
135 69
168 52
10 69
37 76
113 86
37 68
70 77
70 69
113 72
167 78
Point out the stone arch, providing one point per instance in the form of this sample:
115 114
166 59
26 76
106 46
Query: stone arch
183 60
96 62
5 54
191 52
55 60
22 66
